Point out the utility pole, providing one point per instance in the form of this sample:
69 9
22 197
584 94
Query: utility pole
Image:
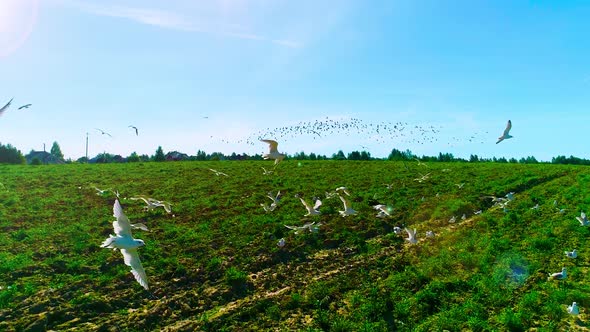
86 146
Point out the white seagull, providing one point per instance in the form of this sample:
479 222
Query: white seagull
311 210
273 153
573 309
397 230
583 219
571 254
265 171
422 178
218 173
5 107
153 203
311 226
558 275
383 210
348 211
429 233
506 134
101 192
411 235
123 240
281 243
268 208
274 198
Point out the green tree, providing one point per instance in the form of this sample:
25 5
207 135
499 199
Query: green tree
56 151
339 156
159 154
10 155
133 157
201 155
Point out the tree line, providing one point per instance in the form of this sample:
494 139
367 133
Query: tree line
11 155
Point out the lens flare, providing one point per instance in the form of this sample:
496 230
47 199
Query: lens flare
17 19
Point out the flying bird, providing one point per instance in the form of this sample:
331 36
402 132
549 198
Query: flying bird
311 226
311 210
573 309
103 132
101 192
583 219
265 171
383 210
348 211
273 152
6 106
506 134
136 130
268 208
218 173
558 275
411 235
152 203
25 106
124 241
571 254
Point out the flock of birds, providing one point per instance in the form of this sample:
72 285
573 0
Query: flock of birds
124 241
368 132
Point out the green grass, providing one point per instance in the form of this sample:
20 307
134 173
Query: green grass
214 264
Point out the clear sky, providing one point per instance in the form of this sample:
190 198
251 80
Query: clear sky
212 74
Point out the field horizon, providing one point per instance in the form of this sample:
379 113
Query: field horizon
213 263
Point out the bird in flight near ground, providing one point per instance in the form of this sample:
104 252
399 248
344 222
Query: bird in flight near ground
506 134
273 152
123 240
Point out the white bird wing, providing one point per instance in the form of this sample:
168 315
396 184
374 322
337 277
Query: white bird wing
121 225
131 259
507 130
272 145
6 106
293 227
143 198
318 203
346 204
141 226
167 207
307 206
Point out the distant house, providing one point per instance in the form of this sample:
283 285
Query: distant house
176 156
44 157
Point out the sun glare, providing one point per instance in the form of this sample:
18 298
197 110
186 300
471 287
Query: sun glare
17 18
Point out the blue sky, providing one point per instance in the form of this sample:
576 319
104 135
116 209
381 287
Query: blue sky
462 67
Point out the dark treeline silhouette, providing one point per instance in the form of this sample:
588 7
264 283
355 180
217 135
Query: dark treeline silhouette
10 155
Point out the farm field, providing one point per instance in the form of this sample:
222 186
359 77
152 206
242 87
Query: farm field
213 264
